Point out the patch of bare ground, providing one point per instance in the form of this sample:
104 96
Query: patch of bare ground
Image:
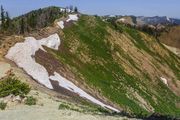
43 33
47 109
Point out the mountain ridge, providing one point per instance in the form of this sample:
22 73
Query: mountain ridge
126 69
145 20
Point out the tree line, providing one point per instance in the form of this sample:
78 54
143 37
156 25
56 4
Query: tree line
5 19
33 20
72 8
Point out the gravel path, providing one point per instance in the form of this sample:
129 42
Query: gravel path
4 67
47 109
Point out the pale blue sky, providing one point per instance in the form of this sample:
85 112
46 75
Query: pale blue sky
169 8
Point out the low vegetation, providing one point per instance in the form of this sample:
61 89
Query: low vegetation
107 75
64 106
3 105
11 85
30 100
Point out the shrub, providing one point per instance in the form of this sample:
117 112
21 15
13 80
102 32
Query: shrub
11 85
3 105
30 100
102 110
64 106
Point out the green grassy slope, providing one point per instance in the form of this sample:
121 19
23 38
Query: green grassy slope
92 52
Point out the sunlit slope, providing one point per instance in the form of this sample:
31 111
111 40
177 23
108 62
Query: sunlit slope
126 68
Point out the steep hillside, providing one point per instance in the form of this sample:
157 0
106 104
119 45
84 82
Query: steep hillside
124 71
171 37
131 69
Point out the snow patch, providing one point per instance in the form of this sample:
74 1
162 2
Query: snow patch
72 17
122 19
164 80
23 55
63 82
62 9
61 24
168 19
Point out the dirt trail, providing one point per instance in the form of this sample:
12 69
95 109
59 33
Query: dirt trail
4 68
47 109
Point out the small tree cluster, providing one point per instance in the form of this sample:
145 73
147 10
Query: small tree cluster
75 9
11 85
72 9
5 19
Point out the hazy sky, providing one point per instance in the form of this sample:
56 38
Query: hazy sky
169 8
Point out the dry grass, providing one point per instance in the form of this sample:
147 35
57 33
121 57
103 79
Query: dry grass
171 38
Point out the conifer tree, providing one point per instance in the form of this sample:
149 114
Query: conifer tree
8 20
2 17
76 10
22 26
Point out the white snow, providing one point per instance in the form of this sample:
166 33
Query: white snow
164 80
68 10
61 24
23 55
73 17
63 82
122 19
168 19
62 9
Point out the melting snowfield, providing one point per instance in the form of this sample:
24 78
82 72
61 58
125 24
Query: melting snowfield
71 87
23 55
61 24
70 18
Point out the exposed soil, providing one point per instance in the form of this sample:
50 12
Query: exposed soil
47 109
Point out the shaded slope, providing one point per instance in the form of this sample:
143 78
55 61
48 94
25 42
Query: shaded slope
125 68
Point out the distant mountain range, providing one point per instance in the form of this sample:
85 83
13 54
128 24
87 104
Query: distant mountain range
141 20
158 20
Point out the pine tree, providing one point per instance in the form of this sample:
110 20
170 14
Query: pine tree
8 20
71 8
2 16
76 10
22 26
